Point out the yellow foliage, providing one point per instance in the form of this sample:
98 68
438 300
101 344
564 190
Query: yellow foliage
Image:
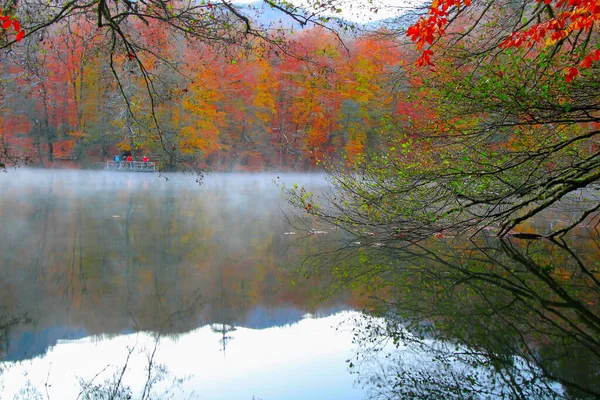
77 135
266 88
356 146
200 132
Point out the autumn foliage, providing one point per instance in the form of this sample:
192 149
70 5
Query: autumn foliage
557 21
231 111
8 22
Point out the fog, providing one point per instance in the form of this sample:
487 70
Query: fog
93 252
91 181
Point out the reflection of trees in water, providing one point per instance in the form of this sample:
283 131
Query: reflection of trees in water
225 320
111 383
482 318
393 363
86 258
8 321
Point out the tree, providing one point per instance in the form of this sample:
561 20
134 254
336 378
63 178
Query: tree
9 22
228 28
548 25
366 87
509 131
201 130
501 318
317 102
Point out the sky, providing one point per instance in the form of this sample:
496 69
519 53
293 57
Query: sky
361 11
369 10
304 360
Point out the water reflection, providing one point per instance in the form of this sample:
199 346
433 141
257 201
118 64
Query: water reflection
477 318
122 263
92 256
117 286
300 361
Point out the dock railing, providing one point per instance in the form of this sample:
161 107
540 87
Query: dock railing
130 166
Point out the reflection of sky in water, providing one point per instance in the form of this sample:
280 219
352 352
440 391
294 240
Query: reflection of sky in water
305 360
91 257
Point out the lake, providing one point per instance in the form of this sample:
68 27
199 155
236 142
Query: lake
125 285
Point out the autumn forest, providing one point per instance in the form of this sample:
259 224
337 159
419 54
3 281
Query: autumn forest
453 219
228 110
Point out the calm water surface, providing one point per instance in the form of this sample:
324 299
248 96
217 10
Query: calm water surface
118 286
104 272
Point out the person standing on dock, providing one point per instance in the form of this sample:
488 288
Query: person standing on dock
146 159
129 160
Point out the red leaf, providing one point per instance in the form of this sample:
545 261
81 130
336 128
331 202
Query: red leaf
590 59
587 62
571 73
558 35
6 24
425 59
412 31
16 25
20 35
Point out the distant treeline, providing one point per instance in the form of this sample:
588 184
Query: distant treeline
316 99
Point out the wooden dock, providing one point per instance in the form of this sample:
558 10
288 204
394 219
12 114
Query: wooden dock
130 166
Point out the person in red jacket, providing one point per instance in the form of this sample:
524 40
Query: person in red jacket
146 159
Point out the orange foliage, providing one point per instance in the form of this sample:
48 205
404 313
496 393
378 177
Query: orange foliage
64 148
572 17
264 108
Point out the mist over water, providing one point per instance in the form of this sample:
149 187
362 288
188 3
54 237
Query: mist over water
116 285
74 237
105 254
